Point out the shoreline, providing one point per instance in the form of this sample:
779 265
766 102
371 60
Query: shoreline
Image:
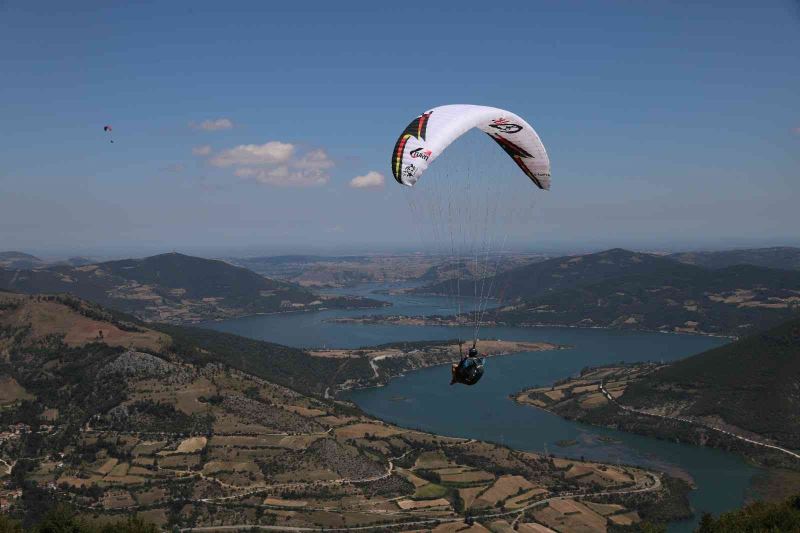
383 379
677 476
592 398
266 313
365 320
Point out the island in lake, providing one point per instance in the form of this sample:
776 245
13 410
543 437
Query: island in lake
393 359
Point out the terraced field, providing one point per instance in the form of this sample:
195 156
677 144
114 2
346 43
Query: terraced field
141 430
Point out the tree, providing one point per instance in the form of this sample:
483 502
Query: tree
9 526
706 524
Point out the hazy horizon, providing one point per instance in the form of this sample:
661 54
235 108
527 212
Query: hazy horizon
551 248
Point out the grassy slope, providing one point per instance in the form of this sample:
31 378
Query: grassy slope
26 321
174 278
665 299
757 517
783 257
751 383
561 273
280 364
618 288
199 277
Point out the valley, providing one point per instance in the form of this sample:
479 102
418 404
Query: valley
243 431
349 271
621 289
139 425
175 288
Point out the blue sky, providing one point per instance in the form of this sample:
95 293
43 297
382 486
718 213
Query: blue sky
667 123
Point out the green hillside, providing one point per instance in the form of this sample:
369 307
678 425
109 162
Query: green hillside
19 260
4 256
631 290
32 330
731 301
174 288
758 517
751 383
196 277
785 257
568 272
280 364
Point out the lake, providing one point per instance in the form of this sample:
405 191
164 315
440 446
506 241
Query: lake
424 400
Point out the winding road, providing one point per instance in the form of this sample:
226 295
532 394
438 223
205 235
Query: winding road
696 423
653 483
648 487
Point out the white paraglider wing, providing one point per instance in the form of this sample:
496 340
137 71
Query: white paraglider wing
432 132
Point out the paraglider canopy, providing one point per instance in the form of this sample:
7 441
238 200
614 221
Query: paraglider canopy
463 203
106 128
428 135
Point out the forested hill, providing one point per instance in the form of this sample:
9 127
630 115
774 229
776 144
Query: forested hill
783 516
568 272
751 383
195 276
624 289
784 257
173 288
287 366
32 320
19 260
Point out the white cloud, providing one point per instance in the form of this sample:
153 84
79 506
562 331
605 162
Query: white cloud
370 179
202 151
212 125
271 153
276 163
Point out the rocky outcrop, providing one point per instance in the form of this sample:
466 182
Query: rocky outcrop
141 365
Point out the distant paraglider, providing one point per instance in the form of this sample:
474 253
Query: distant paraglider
108 130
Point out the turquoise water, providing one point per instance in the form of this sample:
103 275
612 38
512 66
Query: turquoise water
485 410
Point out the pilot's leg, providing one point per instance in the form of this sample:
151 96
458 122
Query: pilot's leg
453 370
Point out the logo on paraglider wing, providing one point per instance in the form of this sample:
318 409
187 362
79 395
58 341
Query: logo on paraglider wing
518 154
419 153
409 171
416 129
505 126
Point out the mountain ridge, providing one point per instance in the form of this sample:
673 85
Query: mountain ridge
174 288
781 257
13 259
750 383
624 289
